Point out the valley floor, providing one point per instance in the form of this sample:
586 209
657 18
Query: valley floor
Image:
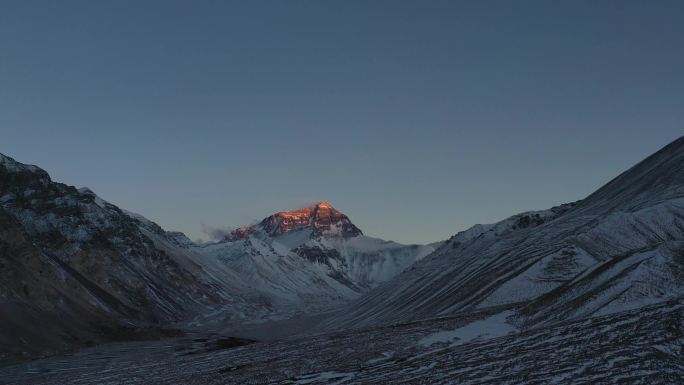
645 345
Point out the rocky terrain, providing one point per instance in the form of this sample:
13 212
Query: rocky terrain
637 346
76 270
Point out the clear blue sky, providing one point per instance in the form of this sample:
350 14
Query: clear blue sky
417 119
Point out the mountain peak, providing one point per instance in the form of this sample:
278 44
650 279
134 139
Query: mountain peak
12 166
321 217
659 177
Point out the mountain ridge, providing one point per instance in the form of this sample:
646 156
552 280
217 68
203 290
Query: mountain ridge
85 265
616 249
322 217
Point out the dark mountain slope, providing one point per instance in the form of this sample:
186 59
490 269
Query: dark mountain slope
76 269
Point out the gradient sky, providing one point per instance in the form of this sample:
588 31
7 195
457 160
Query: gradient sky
417 119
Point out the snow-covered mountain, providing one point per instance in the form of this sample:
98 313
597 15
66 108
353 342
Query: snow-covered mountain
320 218
590 291
306 259
76 270
618 249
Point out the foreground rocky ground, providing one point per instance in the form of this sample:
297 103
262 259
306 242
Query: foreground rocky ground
645 345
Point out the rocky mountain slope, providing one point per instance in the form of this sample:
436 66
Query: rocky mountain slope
618 249
77 270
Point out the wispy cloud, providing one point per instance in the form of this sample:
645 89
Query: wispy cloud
215 233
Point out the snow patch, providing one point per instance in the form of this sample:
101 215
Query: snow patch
490 327
331 378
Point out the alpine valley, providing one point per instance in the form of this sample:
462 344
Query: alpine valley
586 292
77 270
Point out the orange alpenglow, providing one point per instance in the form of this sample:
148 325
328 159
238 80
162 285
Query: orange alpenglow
321 217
